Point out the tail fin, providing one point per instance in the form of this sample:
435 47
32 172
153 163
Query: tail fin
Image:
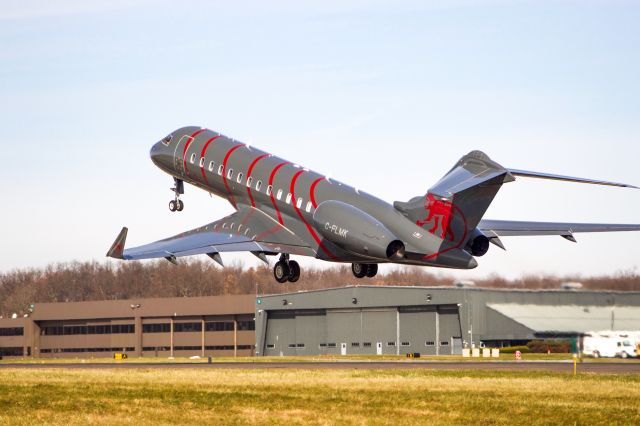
454 206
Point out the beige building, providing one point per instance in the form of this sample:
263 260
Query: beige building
203 326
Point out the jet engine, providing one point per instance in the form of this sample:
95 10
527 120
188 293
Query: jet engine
478 244
356 231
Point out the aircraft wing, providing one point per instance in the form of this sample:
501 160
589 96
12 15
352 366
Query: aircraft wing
248 229
508 228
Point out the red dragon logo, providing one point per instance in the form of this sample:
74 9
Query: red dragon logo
441 212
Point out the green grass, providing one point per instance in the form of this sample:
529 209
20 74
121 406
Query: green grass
299 396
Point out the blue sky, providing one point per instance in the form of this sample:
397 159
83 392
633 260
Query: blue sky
383 95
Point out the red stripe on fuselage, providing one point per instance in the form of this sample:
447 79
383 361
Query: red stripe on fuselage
186 147
224 173
202 154
312 192
309 227
253 163
273 200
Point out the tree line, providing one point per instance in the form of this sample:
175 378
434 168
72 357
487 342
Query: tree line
82 281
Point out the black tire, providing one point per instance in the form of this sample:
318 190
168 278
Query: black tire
372 270
294 271
281 272
180 205
359 270
173 206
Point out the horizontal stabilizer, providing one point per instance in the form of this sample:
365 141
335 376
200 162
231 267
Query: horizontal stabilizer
537 175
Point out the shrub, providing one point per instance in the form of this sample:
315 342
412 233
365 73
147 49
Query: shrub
513 349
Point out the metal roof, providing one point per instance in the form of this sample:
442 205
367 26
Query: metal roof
570 318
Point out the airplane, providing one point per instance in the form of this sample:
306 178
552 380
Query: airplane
284 209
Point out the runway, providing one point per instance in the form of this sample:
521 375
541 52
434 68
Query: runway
544 366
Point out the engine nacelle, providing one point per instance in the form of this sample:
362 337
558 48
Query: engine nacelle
356 231
478 244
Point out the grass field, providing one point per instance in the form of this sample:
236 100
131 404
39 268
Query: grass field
298 396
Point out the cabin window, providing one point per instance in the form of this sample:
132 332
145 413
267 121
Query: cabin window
220 169
308 208
193 158
279 195
230 174
258 185
211 165
249 180
299 203
269 189
239 177
288 200
201 162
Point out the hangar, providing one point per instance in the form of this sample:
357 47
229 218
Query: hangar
431 320
346 320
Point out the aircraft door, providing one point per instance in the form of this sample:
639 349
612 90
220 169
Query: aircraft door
178 154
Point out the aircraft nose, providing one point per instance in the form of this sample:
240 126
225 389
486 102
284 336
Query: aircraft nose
156 151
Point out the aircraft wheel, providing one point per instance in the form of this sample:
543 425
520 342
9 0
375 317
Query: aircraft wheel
180 206
359 270
372 270
281 272
294 271
173 206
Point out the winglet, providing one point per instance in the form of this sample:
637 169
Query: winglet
117 248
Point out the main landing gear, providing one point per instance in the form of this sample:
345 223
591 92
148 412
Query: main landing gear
361 270
178 188
286 270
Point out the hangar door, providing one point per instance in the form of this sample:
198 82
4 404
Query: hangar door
295 332
359 331
418 329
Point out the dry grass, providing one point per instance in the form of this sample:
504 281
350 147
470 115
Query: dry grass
202 396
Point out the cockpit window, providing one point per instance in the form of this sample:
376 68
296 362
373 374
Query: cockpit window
167 140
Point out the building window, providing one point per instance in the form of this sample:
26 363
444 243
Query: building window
331 345
156 328
405 344
355 344
211 165
12 331
218 326
279 195
186 327
429 343
270 346
193 158
71 330
300 345
239 180
323 345
292 345
246 325
444 343
366 344
391 343
220 169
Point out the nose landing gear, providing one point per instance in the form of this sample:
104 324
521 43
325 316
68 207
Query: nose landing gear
361 270
286 270
176 204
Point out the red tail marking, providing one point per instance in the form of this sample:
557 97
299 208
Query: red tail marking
224 173
253 163
309 227
273 199
312 192
202 154
186 147
441 212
